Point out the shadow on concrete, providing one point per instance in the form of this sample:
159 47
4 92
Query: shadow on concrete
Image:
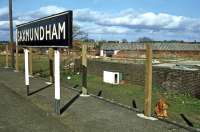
76 86
99 93
189 123
66 106
134 104
34 92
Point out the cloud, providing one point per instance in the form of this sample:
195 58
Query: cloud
99 29
135 20
127 22
4 13
41 12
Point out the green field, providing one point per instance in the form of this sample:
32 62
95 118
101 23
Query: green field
124 93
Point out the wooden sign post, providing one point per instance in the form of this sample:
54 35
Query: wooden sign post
84 70
148 81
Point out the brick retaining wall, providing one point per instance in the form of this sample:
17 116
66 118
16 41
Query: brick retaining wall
184 81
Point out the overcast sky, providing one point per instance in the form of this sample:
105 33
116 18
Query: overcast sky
115 19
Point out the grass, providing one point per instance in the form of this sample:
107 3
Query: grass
124 93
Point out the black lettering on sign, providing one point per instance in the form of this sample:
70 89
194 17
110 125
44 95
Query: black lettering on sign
51 31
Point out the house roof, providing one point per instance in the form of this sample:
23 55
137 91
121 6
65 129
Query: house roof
155 46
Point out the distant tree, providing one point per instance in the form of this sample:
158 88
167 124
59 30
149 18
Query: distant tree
124 41
2 47
102 41
112 41
78 34
89 40
144 39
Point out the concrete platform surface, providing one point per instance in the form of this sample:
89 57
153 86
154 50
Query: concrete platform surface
19 115
19 112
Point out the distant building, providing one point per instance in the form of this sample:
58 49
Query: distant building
129 50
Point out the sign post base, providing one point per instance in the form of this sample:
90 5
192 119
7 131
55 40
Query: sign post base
27 90
146 117
16 71
48 83
57 106
84 92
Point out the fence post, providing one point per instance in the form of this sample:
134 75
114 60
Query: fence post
31 62
17 60
51 77
7 55
84 69
16 55
148 81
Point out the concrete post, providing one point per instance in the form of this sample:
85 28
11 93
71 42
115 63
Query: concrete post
57 80
26 70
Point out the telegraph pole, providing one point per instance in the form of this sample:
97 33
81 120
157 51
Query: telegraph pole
11 34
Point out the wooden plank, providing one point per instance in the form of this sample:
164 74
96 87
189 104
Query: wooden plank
84 69
148 81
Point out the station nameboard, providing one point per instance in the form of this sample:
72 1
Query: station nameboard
51 31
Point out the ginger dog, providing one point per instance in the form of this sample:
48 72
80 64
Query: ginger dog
161 108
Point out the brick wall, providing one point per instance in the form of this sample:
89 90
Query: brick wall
187 82
158 54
